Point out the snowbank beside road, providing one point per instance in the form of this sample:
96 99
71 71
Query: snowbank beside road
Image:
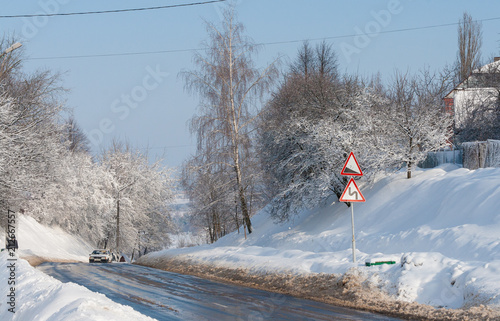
441 227
41 297
36 240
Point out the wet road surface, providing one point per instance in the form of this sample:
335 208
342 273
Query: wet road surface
171 296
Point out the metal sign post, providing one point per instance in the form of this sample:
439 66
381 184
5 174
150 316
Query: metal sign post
353 239
352 193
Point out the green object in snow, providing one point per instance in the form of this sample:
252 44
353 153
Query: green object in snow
379 263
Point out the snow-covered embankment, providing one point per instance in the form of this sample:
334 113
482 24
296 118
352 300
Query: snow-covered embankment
442 228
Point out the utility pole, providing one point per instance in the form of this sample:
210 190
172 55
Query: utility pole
118 222
118 196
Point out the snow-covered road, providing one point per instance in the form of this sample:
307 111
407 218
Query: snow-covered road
170 296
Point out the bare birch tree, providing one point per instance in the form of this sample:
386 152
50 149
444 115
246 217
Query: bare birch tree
229 87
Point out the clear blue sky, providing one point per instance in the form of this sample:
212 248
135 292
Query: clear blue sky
141 98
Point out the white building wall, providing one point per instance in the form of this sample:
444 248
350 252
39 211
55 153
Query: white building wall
467 100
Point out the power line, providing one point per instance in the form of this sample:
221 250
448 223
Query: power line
110 11
375 33
167 147
260 44
115 54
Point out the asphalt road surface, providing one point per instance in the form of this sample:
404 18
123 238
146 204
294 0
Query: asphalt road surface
171 296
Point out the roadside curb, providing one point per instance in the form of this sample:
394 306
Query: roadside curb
348 290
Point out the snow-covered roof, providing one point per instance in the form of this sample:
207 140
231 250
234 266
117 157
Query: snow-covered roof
489 68
479 79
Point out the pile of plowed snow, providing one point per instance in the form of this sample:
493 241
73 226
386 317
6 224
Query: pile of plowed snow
442 228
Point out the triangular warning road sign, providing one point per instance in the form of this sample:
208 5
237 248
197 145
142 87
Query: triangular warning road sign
351 167
352 193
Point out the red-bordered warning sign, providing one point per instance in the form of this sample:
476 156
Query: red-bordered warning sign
351 167
352 193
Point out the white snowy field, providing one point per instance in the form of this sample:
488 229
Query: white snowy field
442 227
41 297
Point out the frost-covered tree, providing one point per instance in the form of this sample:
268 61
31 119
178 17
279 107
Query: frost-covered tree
46 169
317 117
140 191
305 157
37 174
30 141
313 121
85 198
415 118
77 198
